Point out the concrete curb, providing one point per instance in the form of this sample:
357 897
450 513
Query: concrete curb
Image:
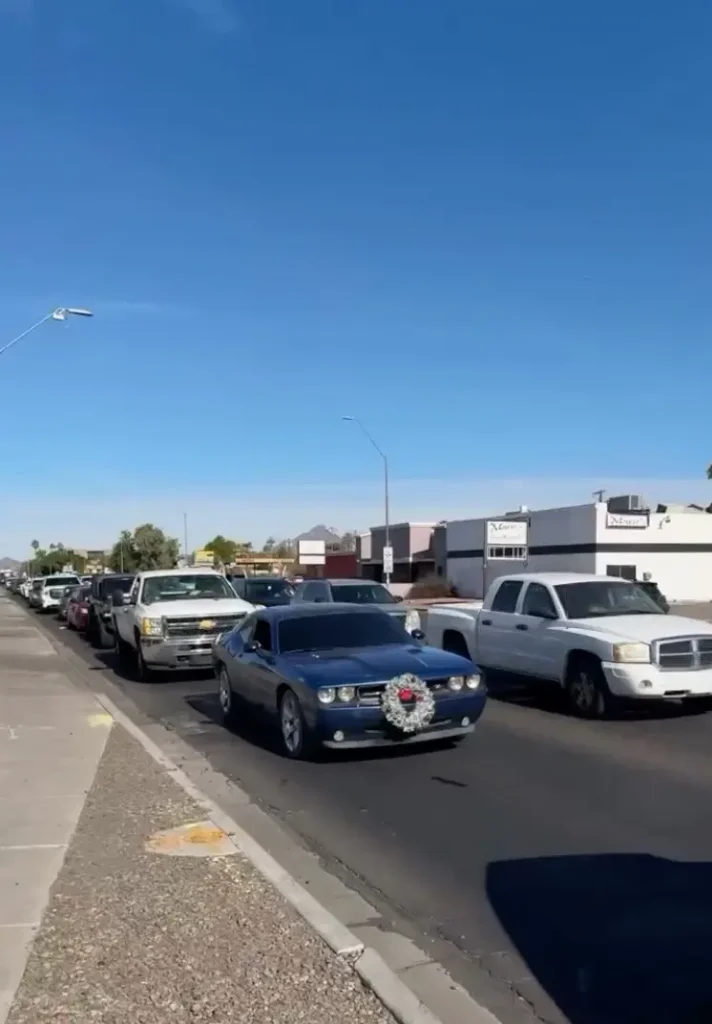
368 964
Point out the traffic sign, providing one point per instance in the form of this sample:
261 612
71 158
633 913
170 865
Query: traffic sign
388 559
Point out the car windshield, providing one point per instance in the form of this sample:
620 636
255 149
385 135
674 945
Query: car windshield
598 598
191 586
276 591
361 593
324 632
61 581
122 583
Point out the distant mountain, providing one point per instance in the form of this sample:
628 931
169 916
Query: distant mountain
9 563
319 532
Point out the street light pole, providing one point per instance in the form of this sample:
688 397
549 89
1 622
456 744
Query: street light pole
387 500
185 537
61 313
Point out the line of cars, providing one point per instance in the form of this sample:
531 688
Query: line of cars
341 667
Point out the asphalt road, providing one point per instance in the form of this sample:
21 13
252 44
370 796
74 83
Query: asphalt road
569 861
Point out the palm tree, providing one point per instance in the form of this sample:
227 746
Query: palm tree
709 471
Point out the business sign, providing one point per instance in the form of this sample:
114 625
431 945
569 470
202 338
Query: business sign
627 520
311 552
507 532
388 560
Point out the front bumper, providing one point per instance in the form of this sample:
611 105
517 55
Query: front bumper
366 727
176 655
646 682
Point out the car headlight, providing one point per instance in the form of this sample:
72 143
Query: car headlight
455 682
472 682
632 654
151 627
326 694
346 693
412 621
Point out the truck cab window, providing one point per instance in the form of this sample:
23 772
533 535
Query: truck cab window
538 602
505 600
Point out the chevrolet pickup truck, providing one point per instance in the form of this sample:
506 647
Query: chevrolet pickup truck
601 638
172 618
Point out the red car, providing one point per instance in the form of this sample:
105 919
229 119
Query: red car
78 609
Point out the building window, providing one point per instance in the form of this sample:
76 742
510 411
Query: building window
501 554
624 572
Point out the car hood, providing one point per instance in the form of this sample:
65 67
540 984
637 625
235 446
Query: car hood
645 628
193 609
374 664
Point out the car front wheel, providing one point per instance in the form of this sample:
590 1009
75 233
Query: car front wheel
587 691
227 699
296 739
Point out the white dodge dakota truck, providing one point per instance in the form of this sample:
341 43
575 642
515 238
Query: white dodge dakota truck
603 639
171 618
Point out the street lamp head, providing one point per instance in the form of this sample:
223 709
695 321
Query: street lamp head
349 419
64 311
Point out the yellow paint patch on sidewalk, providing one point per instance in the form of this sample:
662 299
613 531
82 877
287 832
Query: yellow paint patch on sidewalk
197 839
100 719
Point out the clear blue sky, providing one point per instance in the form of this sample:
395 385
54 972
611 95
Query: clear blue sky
485 228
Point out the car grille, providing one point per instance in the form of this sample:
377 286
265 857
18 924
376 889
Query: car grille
55 593
191 628
687 653
369 695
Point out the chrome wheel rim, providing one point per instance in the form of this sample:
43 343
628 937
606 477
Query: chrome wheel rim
584 692
291 724
225 694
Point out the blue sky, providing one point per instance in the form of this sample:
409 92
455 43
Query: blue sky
484 228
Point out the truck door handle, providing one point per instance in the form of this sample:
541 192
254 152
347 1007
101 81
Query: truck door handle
522 625
487 622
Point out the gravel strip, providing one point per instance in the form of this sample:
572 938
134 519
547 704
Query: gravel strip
142 938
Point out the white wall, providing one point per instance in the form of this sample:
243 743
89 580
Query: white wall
681 575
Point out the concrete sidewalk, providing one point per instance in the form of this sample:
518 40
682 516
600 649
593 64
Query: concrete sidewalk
52 737
153 915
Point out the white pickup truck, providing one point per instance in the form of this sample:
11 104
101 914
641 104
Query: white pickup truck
171 618
603 639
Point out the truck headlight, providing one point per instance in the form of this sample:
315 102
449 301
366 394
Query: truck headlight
151 627
632 654
412 621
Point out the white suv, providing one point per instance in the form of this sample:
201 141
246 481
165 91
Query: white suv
52 589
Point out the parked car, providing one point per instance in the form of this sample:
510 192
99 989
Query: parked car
33 592
49 590
100 629
263 591
172 619
364 592
602 639
343 677
78 608
64 601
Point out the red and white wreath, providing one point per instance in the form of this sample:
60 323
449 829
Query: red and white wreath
407 703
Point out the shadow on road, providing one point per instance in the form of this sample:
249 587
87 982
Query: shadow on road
613 939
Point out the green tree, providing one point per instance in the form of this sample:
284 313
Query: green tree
269 545
284 549
223 550
348 541
146 548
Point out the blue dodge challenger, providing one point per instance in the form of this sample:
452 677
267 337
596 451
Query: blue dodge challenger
345 677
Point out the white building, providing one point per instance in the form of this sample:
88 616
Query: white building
671 546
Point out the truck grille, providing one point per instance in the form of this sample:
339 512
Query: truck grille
202 626
686 654
369 695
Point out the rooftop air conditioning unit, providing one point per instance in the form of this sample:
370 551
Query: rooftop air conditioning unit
627 503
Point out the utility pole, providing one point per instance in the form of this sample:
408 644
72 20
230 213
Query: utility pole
185 537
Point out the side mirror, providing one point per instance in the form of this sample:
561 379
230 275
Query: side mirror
398 598
417 634
252 647
117 598
551 616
